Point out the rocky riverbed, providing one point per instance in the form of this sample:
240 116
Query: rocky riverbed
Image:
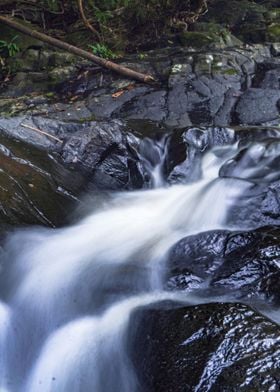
109 132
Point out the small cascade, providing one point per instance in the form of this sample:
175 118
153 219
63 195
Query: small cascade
89 354
72 290
153 154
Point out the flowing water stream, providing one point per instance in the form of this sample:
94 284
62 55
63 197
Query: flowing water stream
69 293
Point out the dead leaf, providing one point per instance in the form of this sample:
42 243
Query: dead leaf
74 98
118 94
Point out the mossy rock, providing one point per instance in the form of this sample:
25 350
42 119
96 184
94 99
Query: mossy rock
273 15
231 13
218 34
23 41
61 74
273 32
195 39
199 39
247 20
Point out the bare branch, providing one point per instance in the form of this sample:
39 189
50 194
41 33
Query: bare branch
85 20
77 51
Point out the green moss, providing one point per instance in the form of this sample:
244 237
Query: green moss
274 32
87 119
195 39
50 94
230 72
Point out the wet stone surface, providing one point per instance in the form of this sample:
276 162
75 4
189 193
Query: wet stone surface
34 187
211 87
213 347
240 265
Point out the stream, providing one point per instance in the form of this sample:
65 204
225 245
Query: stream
69 294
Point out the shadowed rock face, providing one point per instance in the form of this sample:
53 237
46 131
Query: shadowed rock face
213 347
34 187
104 151
41 179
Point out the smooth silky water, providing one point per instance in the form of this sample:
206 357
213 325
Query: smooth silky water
69 293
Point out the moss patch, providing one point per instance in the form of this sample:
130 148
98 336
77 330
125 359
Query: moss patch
274 32
195 39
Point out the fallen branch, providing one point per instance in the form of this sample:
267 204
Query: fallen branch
42 132
85 20
77 51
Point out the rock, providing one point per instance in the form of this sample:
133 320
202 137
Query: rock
185 150
108 154
275 49
105 152
209 88
213 347
274 32
257 106
249 21
239 265
34 187
61 74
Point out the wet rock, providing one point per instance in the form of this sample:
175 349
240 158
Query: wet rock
257 163
104 104
239 265
108 154
211 88
275 49
213 347
34 187
185 150
105 152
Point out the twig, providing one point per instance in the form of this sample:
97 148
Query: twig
42 132
85 20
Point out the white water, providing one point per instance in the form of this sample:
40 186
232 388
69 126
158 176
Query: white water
74 289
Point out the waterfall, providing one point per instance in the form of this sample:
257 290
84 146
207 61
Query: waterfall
72 290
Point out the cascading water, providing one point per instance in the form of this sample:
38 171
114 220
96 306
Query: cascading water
70 292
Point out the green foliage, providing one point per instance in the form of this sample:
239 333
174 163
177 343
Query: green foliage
122 24
53 5
102 50
9 49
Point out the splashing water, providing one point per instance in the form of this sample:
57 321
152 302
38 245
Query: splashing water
73 289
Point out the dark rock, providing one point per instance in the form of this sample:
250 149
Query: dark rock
213 347
104 152
104 105
108 154
240 265
271 80
185 150
34 187
149 106
194 88
249 21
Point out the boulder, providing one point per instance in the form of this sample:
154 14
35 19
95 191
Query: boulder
239 265
212 347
